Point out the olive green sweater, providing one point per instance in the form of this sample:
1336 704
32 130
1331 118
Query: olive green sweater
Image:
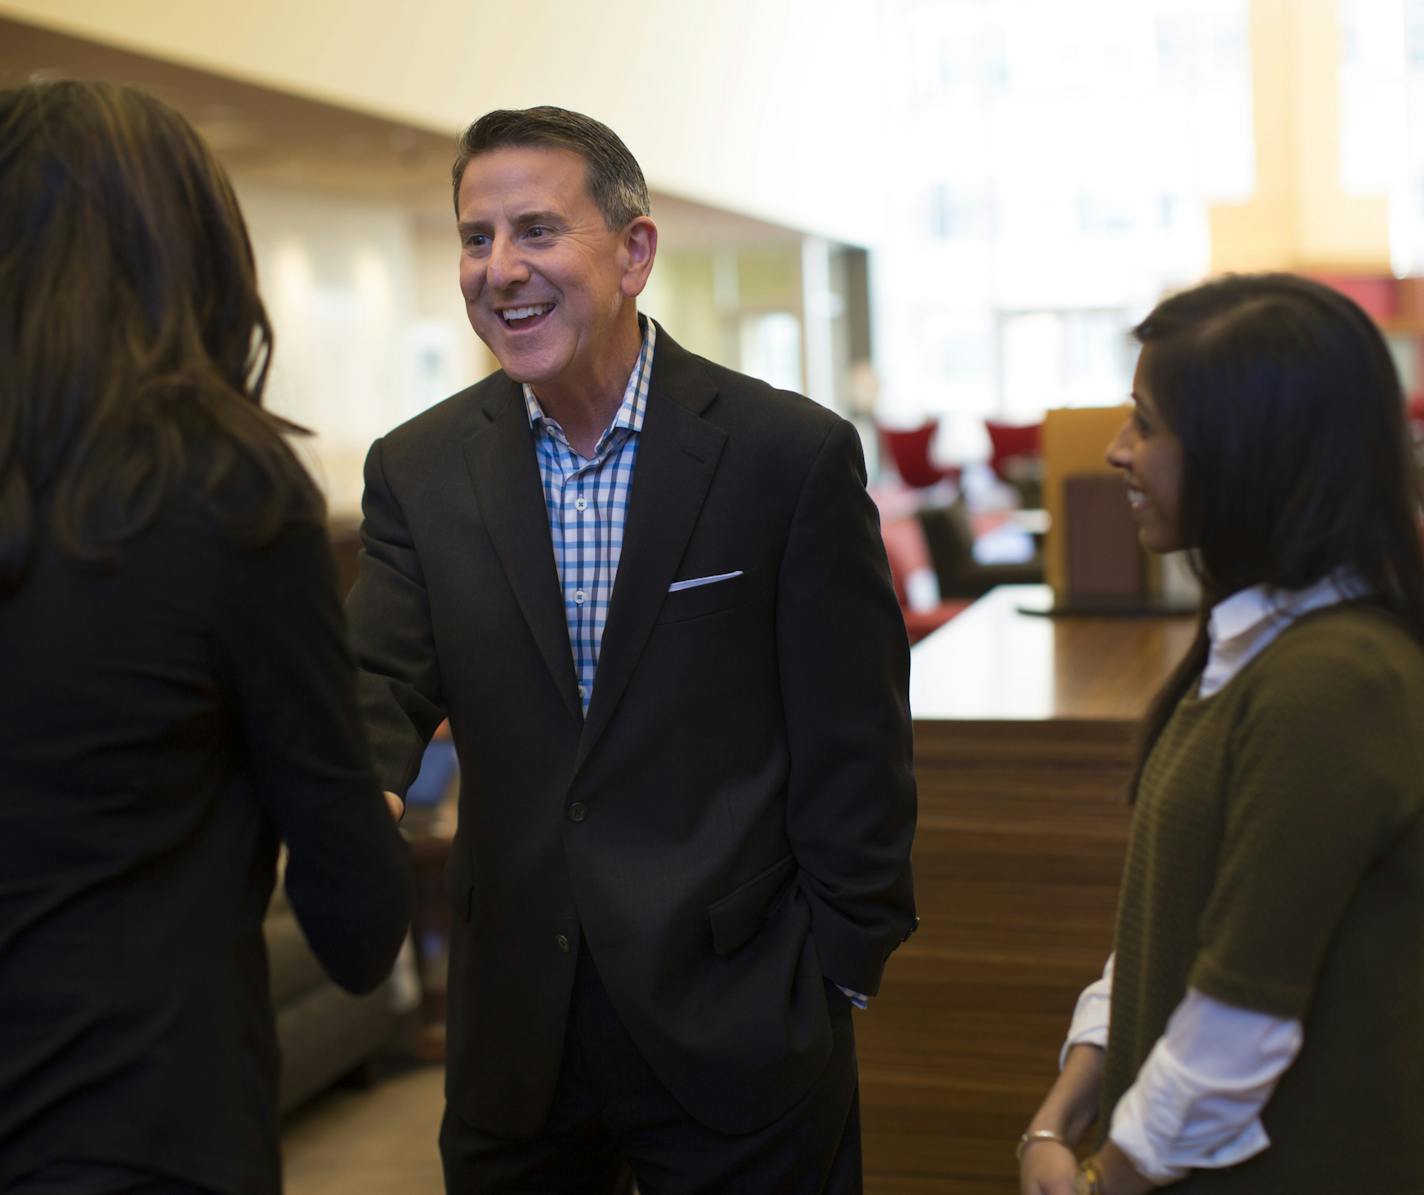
1277 864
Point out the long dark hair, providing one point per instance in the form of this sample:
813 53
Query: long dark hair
133 344
1295 452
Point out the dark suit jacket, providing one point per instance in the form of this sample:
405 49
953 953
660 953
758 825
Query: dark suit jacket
161 724
733 820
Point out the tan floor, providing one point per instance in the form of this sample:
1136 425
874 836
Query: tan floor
380 1141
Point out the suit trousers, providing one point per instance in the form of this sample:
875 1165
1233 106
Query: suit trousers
96 1178
613 1119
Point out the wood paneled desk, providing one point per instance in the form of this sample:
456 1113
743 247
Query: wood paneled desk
1023 741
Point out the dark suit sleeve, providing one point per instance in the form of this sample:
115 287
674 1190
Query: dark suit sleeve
844 665
348 874
392 637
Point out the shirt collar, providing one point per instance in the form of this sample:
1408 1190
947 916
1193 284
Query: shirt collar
1246 623
1244 613
635 394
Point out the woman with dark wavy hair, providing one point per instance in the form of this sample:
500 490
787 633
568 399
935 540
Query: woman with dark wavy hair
1258 1027
177 694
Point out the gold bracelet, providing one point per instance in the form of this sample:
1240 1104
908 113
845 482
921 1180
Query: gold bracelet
1034 1136
1089 1180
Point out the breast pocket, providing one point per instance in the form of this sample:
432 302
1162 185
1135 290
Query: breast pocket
711 598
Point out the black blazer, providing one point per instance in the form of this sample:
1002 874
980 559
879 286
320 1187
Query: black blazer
733 820
161 724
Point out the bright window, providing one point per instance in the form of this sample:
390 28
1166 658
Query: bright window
1055 165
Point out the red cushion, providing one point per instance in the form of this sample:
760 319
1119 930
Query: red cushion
1009 440
910 450
906 550
919 623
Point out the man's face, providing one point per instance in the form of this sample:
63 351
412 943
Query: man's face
545 281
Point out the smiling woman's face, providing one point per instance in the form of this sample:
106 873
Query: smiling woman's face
1149 456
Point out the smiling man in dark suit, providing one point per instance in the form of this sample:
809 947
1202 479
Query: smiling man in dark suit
650 595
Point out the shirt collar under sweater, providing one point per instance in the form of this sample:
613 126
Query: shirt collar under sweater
1241 627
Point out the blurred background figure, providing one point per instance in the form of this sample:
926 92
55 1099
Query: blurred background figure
177 693
1273 895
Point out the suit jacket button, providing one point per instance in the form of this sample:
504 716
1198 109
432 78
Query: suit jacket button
578 811
562 942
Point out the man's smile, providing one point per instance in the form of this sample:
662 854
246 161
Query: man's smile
527 316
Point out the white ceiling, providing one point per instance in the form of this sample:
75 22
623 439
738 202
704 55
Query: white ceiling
285 139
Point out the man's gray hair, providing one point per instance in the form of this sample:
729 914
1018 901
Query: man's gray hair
615 180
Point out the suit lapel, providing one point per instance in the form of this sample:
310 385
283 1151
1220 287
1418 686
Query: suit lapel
505 476
677 457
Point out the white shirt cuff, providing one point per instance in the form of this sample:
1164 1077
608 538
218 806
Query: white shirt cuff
1090 1018
1197 1100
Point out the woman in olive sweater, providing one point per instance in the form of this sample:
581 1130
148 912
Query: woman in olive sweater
1257 1028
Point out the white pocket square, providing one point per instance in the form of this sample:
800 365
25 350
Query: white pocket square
694 582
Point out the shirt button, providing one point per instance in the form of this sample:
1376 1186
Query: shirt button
562 942
580 503
578 811
579 597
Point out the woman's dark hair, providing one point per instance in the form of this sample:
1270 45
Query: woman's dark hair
1295 451
615 180
133 343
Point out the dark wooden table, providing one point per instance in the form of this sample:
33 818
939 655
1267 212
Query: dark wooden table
1023 741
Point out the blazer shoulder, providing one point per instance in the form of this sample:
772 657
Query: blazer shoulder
791 429
452 419
740 396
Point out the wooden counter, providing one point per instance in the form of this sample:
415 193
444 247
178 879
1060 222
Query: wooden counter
1023 740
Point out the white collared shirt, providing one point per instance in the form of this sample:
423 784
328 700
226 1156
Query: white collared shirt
1197 1099
1245 624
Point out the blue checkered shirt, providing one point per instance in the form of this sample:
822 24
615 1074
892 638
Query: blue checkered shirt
587 502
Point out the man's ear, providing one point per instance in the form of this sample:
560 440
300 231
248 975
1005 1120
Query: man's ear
640 246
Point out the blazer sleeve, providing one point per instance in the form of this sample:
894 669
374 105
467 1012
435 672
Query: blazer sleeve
348 874
844 666
399 681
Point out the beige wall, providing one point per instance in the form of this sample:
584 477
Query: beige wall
682 296
757 107
369 325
